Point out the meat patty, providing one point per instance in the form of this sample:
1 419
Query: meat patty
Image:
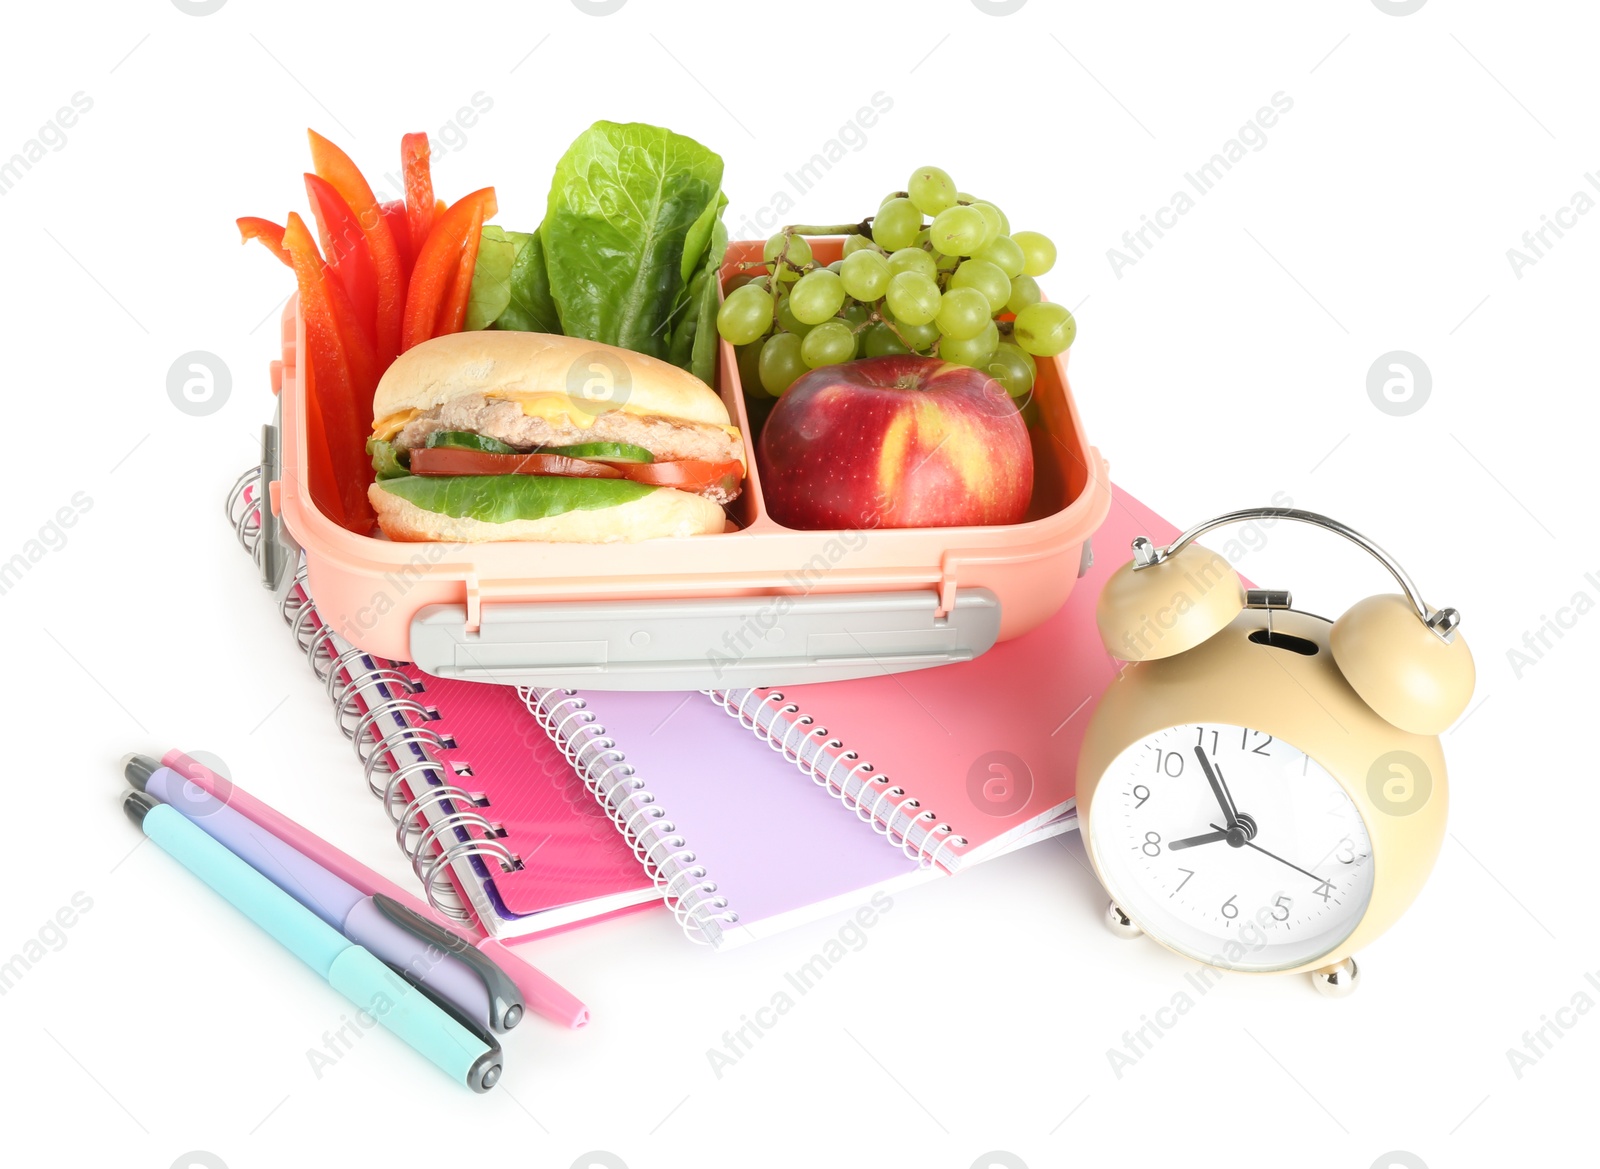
666 438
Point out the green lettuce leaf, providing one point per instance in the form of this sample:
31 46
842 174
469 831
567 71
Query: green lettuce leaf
531 309
386 462
499 499
623 204
491 277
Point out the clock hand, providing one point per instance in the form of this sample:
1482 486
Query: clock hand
1281 861
1203 838
1218 789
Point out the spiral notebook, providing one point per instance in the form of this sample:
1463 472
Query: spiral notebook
960 763
740 845
495 822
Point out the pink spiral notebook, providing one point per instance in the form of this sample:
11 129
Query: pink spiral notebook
959 763
495 822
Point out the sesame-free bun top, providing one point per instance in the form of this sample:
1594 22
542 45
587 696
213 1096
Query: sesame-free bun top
489 361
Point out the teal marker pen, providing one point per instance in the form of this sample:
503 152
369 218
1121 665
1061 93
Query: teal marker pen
471 1059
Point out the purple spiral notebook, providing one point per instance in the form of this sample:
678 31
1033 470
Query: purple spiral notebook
740 841
743 846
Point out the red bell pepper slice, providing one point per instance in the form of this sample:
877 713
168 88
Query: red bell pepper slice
419 185
345 246
453 312
438 261
394 214
334 165
269 233
344 422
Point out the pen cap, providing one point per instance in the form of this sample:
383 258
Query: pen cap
320 891
384 995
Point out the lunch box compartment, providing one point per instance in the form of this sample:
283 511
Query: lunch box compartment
760 604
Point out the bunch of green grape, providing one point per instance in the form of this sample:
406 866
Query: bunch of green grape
931 273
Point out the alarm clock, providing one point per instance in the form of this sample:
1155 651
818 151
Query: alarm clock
1260 789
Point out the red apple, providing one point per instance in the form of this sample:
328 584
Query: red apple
895 442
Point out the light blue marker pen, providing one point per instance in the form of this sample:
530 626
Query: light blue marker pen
471 1059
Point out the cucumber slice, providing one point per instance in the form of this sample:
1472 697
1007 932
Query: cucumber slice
468 441
604 452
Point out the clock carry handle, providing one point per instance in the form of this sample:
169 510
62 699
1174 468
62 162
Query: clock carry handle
1443 622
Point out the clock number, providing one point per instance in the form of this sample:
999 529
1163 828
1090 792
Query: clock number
1229 909
1283 902
1140 793
1152 844
1200 740
1324 890
1169 763
1187 874
1347 852
1258 749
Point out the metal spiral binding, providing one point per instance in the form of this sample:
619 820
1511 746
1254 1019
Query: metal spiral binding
804 744
667 856
390 738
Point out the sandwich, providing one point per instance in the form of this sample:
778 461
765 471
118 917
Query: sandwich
494 435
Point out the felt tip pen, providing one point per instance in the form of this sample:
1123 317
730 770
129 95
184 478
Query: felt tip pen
351 969
541 993
443 962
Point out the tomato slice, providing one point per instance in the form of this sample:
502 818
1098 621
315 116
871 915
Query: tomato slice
440 460
687 474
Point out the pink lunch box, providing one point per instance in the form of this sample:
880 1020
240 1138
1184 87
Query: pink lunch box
760 604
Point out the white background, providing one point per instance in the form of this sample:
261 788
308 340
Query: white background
1227 364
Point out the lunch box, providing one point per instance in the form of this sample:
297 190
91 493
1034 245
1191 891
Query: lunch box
760 604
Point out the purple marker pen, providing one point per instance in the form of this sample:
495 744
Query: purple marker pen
442 961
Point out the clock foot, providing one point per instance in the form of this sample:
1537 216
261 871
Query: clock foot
1120 923
1338 980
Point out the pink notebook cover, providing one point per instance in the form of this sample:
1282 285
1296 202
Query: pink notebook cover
988 747
571 863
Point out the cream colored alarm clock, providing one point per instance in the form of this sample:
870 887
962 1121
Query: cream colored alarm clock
1262 790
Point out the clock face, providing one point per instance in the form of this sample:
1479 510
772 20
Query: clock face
1232 847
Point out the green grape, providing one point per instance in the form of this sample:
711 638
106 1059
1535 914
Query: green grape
855 315
890 195
896 224
835 266
931 190
828 344
963 312
1045 329
1012 368
919 337
788 322
878 340
991 220
913 260
946 264
865 274
1004 253
913 298
856 243
1024 291
1005 224
780 363
957 231
1038 253
987 279
799 255
745 315
974 351
921 239
816 296
749 363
